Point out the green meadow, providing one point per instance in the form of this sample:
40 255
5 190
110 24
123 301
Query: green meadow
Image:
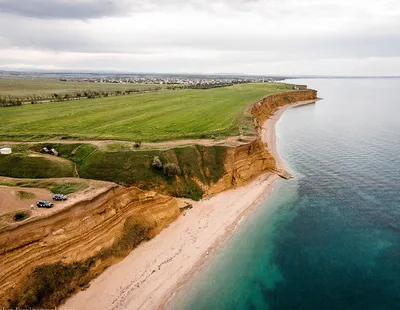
155 116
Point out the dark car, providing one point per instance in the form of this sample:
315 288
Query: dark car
44 204
59 197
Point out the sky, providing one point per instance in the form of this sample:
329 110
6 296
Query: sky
265 37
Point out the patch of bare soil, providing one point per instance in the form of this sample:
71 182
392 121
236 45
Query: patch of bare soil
10 200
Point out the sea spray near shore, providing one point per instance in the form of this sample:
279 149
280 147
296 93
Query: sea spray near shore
328 239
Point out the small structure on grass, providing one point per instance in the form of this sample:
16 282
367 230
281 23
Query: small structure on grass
299 87
54 152
44 150
5 151
50 151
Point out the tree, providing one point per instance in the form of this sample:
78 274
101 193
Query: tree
171 169
156 163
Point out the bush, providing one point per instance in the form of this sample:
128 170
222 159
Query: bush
188 206
156 163
171 169
20 216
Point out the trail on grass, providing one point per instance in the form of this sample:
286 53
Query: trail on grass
231 141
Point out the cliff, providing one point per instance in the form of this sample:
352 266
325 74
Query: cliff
242 163
79 233
264 108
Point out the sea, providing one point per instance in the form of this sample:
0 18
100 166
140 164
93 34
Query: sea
330 237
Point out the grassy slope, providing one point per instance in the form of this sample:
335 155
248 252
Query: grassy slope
23 166
134 168
26 87
126 167
157 116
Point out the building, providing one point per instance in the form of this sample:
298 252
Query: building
5 151
300 87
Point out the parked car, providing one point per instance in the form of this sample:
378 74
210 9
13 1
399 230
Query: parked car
59 197
44 204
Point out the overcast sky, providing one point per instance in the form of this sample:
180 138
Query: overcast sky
329 37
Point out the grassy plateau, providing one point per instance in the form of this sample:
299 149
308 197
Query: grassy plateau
156 116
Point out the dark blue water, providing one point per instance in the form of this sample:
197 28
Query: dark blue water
330 238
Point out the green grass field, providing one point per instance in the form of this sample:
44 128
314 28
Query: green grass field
23 166
43 87
156 116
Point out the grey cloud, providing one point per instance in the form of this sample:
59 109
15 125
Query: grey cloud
87 9
66 36
180 35
73 9
93 9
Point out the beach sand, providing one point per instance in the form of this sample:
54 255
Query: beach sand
149 275
268 135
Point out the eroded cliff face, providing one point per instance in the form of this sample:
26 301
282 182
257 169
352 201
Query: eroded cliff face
243 163
263 109
247 161
79 232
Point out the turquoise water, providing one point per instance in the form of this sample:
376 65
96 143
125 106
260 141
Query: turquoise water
330 238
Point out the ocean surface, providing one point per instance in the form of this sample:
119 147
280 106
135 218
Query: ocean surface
330 237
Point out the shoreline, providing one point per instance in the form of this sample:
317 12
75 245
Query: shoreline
151 274
268 135
269 180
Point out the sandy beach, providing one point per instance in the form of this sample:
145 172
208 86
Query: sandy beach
149 275
268 135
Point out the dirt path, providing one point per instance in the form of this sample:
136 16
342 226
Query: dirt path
76 171
231 141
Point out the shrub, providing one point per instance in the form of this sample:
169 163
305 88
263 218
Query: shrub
171 169
20 216
188 206
156 163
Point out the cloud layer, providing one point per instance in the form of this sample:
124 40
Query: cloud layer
253 36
